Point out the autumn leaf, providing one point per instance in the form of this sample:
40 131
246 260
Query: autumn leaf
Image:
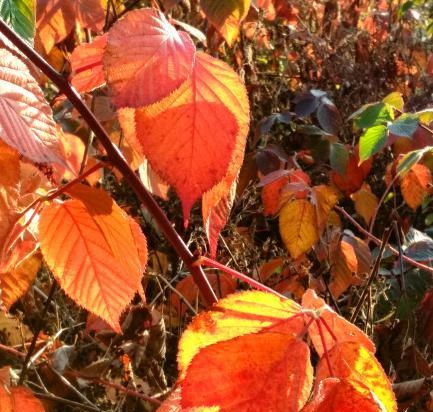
190 138
215 216
55 19
19 272
90 245
351 360
26 119
415 185
336 329
355 174
242 371
157 60
19 399
86 64
365 202
298 226
239 314
343 395
324 198
226 16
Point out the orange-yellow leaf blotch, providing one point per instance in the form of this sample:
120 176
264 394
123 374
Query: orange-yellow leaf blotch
157 59
19 399
415 185
239 314
265 371
343 395
298 226
365 202
91 248
191 138
86 62
336 329
18 273
226 16
351 360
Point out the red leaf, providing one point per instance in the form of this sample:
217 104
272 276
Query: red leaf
146 58
355 174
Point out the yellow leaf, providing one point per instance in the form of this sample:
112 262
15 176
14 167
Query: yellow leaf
298 226
226 16
365 202
324 199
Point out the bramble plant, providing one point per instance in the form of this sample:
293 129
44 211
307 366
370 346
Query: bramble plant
139 114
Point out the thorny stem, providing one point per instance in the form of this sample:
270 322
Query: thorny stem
36 333
373 274
378 242
116 158
203 260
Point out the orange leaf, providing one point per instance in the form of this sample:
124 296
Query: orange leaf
355 174
365 202
242 373
55 19
172 404
26 119
342 330
19 399
237 315
18 273
86 63
73 150
415 185
155 62
344 266
226 16
222 285
298 226
343 395
192 137
92 250
215 216
351 360
324 199
267 269
271 195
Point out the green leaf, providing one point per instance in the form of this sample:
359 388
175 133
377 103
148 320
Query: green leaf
20 15
373 115
395 100
410 159
338 157
372 141
404 126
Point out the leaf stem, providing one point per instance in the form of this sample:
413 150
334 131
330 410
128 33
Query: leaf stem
325 349
118 160
203 260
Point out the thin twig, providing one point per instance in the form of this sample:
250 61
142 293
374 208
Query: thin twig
378 242
38 329
374 272
51 397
